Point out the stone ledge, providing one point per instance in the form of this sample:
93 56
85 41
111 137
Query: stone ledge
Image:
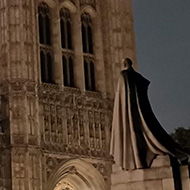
142 175
140 185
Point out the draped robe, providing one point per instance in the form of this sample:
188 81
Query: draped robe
137 136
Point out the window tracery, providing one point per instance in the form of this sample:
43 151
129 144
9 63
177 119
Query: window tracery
67 48
87 38
46 57
87 43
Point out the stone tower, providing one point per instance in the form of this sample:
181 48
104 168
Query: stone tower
59 63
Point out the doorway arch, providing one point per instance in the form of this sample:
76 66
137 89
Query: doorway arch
76 174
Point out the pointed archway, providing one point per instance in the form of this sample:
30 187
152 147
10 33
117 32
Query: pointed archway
75 175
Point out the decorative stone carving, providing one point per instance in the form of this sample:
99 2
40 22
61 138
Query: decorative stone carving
80 120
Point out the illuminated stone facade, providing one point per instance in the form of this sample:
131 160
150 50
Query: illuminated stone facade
58 127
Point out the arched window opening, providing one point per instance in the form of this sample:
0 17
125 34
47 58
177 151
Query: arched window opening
87 43
46 59
87 36
67 48
66 28
44 24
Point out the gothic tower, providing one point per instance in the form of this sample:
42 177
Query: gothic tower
59 63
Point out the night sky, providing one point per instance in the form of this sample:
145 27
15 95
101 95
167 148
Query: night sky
162 29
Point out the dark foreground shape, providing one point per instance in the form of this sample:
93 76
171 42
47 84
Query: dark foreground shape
137 136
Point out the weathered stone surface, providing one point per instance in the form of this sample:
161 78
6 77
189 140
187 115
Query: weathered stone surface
42 125
158 177
185 177
161 161
168 184
142 175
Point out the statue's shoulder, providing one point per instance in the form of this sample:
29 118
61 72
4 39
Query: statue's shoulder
137 78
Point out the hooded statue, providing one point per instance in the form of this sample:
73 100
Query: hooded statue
137 136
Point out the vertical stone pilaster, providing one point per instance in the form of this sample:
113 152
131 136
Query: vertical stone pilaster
56 38
118 38
19 169
77 39
98 50
26 169
127 30
21 54
4 38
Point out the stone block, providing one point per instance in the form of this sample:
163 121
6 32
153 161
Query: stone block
168 184
145 185
142 175
185 177
161 161
119 187
116 168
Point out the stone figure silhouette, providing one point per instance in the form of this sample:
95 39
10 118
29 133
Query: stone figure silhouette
137 136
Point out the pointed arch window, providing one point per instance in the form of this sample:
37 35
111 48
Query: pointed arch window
87 36
44 24
67 47
88 52
46 58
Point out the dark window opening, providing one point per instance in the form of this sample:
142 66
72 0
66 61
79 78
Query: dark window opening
65 76
90 44
44 24
66 43
48 31
71 72
89 76
68 73
41 28
46 60
86 76
49 68
92 76
66 29
2 126
63 34
46 67
87 33
43 69
69 35
84 39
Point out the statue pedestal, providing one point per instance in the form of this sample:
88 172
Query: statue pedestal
158 177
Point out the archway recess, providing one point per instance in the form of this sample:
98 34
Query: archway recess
76 174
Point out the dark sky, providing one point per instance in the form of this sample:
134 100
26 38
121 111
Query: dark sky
162 29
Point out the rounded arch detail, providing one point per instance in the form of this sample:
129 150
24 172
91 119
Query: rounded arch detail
69 5
90 10
79 174
50 3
